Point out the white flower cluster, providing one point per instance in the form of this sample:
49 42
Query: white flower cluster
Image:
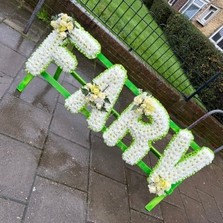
84 42
170 170
63 24
142 132
111 81
95 96
158 185
51 49
143 104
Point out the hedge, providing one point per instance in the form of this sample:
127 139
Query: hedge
161 11
148 3
199 57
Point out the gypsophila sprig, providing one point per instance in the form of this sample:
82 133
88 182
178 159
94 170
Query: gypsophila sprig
63 24
95 97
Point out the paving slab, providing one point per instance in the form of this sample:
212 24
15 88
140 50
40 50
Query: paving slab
54 203
189 189
175 199
5 82
38 93
137 217
194 210
65 162
172 214
10 212
139 195
107 160
18 163
10 61
218 160
19 19
70 126
7 8
71 88
107 200
202 182
218 196
23 121
14 40
210 207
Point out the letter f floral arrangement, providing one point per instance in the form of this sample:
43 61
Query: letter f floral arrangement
53 48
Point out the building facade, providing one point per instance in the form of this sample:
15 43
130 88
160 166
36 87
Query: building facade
206 15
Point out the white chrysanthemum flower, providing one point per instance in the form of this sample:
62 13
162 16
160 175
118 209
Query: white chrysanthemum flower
84 42
51 49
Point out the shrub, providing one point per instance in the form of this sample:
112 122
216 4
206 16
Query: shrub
199 57
161 11
148 3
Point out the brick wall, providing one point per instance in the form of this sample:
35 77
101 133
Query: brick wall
178 4
184 113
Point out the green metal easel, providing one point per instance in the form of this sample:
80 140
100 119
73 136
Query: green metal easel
53 80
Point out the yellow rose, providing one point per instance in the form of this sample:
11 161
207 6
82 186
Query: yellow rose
70 26
54 24
62 29
63 23
89 85
63 35
148 101
64 16
95 90
138 100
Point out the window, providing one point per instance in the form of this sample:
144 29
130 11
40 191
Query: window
207 15
192 7
217 38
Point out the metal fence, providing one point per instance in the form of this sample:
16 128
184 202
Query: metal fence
134 25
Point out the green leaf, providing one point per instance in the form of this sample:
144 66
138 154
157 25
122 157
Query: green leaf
103 109
107 100
84 91
135 107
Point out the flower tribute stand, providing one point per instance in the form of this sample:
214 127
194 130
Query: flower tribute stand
174 164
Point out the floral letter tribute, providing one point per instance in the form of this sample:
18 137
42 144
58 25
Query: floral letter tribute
145 118
52 48
172 168
101 95
143 133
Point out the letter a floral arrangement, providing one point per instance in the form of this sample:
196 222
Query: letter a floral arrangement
100 96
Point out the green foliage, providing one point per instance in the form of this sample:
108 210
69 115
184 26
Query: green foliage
44 15
200 58
148 3
161 11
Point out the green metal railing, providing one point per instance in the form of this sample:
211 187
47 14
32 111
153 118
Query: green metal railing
133 24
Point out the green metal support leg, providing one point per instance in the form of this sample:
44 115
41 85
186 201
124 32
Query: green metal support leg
23 84
57 73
